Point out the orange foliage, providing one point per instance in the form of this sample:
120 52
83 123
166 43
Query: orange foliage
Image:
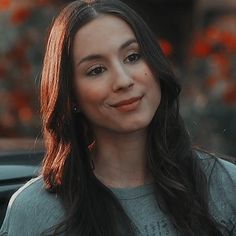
25 114
43 2
212 34
166 47
20 15
19 99
4 4
201 48
229 96
18 52
2 71
211 82
229 41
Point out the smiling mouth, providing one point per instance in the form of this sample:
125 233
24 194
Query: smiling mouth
129 104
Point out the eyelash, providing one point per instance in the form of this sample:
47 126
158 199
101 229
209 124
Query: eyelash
92 72
101 69
137 57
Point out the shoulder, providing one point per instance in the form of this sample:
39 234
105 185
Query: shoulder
34 195
221 177
30 204
215 167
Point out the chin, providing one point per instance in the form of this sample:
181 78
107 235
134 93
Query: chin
134 126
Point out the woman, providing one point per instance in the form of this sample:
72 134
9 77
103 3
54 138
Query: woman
118 158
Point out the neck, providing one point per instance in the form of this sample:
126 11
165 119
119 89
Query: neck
120 159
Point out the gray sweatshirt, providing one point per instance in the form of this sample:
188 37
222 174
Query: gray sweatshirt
32 210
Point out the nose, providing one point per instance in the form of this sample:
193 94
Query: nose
122 78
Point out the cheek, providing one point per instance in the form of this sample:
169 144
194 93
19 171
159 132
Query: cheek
89 93
143 73
149 79
153 86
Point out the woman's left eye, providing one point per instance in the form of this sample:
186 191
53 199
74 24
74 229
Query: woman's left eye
132 58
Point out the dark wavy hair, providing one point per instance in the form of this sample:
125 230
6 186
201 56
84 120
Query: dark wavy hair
91 208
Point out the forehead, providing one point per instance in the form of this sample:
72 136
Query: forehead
105 31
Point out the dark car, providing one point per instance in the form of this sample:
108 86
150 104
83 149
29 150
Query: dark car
20 160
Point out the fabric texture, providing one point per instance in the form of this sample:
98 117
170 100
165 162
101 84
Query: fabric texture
33 210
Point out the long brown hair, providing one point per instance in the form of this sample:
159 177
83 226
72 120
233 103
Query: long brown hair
91 208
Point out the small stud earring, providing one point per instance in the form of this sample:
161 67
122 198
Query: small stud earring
76 109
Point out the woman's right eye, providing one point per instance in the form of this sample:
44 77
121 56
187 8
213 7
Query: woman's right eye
96 71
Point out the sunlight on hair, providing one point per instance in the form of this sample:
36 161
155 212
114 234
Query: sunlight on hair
89 1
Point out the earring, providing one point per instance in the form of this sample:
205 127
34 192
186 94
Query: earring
76 109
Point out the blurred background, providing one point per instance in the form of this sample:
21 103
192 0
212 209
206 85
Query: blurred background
198 37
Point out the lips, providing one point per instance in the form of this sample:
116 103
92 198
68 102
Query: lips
127 102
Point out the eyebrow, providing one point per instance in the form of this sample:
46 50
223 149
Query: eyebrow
97 56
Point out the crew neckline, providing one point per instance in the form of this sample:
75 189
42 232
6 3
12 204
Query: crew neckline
133 192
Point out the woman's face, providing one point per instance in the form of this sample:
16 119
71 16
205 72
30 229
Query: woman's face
114 86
